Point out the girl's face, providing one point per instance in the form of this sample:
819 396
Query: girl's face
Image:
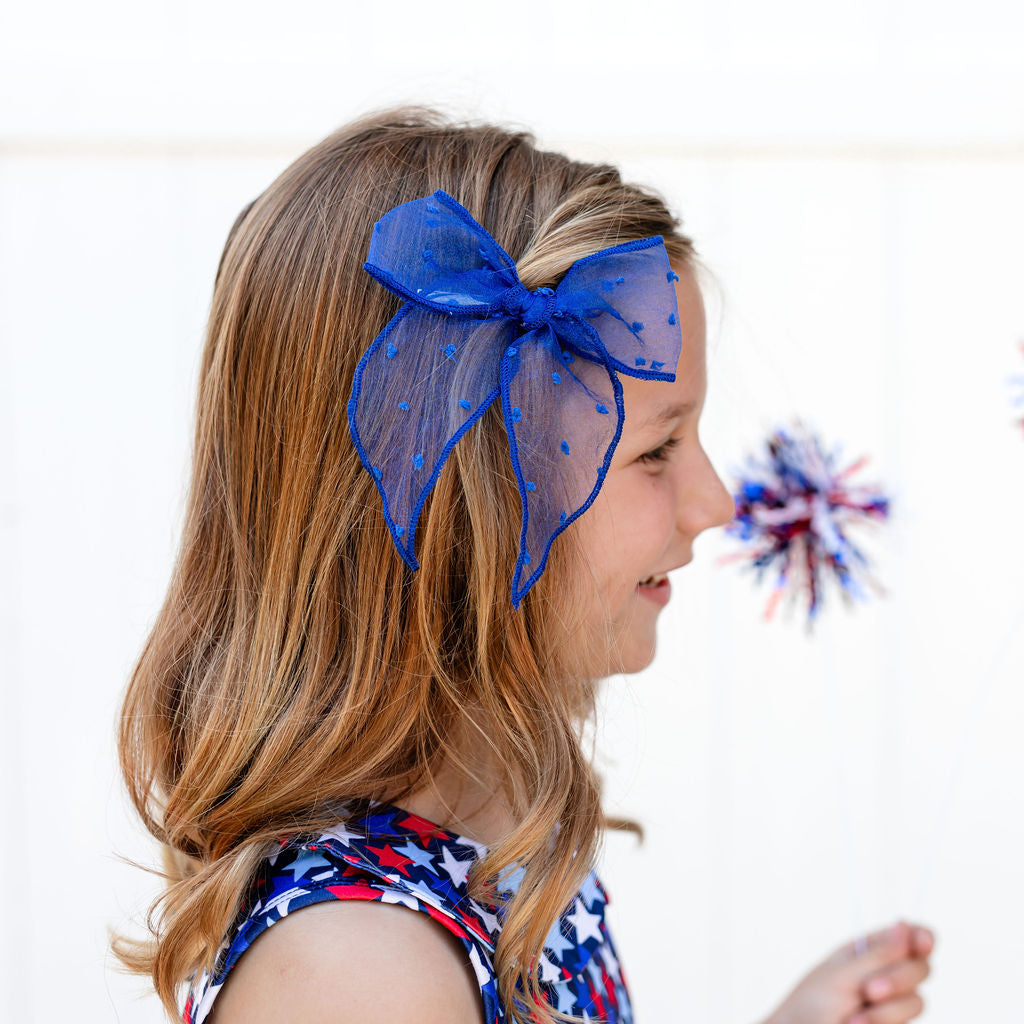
660 492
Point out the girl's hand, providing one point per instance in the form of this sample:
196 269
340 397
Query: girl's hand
876 986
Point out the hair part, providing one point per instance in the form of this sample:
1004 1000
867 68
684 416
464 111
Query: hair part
296 662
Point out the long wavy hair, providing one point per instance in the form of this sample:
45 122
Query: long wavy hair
296 662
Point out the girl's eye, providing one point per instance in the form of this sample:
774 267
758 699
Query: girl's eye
659 454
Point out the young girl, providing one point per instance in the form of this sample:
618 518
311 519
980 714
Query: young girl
433 503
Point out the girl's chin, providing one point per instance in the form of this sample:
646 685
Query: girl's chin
635 658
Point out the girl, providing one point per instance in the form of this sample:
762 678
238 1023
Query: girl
367 685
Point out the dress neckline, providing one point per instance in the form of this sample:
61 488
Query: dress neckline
425 826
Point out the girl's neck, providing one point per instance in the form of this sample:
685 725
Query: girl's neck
474 807
480 816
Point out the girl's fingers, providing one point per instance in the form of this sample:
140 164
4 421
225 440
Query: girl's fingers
883 941
898 980
899 939
895 1012
923 940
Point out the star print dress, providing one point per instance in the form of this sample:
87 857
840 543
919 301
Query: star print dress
386 854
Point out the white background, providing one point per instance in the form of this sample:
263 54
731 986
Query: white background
852 174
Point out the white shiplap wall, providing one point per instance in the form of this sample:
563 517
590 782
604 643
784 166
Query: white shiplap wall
852 176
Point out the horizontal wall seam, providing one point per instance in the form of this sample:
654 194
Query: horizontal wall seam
61 147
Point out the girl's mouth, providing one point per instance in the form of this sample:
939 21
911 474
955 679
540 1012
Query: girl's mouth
656 588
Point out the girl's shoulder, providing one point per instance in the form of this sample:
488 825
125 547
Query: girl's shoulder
344 960
384 854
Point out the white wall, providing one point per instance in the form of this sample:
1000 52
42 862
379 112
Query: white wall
853 176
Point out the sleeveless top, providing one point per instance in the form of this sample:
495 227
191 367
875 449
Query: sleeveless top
386 854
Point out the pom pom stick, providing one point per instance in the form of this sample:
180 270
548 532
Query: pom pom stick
793 508
1016 381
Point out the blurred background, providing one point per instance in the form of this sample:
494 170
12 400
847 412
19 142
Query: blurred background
852 177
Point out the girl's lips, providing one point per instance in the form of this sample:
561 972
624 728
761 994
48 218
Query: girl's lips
658 594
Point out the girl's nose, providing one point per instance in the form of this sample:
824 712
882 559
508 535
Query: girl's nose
709 503
725 504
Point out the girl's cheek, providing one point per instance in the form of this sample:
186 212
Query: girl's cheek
658 509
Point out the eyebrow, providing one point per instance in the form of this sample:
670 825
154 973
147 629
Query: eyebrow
664 414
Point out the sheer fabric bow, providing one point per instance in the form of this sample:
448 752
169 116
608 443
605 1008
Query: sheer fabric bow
469 334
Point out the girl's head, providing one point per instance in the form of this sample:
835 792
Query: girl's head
297 661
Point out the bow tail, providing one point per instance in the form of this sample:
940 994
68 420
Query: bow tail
425 380
563 418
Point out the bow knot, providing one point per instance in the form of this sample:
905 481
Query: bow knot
531 309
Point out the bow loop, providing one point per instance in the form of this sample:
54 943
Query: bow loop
431 251
458 345
619 306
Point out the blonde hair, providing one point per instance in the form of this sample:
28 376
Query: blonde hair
296 661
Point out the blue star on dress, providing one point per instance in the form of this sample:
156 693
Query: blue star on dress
418 855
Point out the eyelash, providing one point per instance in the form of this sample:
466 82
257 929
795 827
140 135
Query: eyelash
659 454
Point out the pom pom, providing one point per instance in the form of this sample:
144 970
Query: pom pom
793 508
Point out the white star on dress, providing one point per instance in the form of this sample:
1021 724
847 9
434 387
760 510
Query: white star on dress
556 941
282 900
566 997
457 869
207 1001
489 919
483 974
590 892
422 891
548 971
511 878
305 862
397 896
342 834
586 924
479 847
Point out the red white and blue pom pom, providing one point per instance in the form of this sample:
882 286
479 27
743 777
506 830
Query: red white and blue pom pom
793 511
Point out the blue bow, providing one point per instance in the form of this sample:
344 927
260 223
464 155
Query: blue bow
470 333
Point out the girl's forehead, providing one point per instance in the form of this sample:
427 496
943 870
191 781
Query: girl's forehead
653 404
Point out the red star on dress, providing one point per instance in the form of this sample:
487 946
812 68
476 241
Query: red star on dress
388 857
424 829
472 923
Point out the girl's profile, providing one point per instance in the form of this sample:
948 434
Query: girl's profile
369 779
